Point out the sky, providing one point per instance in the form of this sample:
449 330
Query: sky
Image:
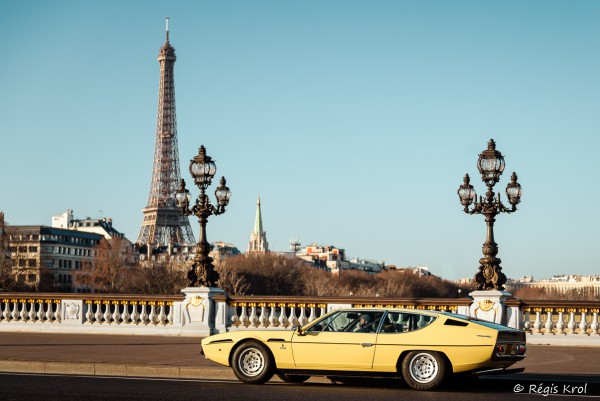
354 121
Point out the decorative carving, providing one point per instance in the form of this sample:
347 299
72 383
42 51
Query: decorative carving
71 311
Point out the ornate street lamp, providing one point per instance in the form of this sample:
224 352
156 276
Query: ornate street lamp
491 166
202 169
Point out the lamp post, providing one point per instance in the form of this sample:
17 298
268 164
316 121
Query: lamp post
491 166
202 169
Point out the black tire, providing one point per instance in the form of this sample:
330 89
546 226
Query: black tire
292 378
252 363
424 370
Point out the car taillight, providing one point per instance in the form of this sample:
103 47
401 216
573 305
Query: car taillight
499 348
521 348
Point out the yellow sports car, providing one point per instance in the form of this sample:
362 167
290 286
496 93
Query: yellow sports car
420 346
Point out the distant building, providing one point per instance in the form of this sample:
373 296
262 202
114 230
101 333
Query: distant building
570 286
420 271
325 257
58 252
258 238
221 251
333 259
103 226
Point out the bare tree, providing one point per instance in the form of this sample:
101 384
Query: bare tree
7 279
107 272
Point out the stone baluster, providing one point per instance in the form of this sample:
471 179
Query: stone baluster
273 322
244 321
293 319
15 310
549 325
253 317
583 326
125 316
98 312
107 314
144 313
153 317
283 320
303 320
571 325
162 316
527 320
537 325
235 320
23 312
40 312
313 313
594 325
264 319
560 324
116 316
89 315
32 312
323 309
135 315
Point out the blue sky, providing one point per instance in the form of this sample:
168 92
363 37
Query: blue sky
354 121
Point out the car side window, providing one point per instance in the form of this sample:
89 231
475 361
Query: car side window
349 321
396 322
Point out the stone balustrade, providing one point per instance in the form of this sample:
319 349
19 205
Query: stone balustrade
551 318
264 312
205 311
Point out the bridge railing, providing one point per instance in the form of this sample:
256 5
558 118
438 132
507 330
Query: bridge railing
265 312
561 317
198 314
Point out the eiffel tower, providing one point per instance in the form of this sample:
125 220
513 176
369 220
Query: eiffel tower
163 225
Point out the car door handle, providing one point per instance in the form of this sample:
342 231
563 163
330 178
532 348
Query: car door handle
366 344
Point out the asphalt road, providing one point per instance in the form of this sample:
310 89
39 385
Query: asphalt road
20 387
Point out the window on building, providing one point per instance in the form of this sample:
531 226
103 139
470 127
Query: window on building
31 278
32 263
33 249
22 262
22 249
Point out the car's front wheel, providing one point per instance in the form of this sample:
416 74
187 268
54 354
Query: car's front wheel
424 370
252 362
293 378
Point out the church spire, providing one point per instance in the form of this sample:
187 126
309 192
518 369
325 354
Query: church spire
258 219
258 237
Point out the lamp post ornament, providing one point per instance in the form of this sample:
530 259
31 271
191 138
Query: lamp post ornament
202 169
491 166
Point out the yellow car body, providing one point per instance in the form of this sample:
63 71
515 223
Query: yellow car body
420 346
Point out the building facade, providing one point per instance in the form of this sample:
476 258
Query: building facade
47 257
104 227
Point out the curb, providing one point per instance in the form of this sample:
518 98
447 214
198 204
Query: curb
117 370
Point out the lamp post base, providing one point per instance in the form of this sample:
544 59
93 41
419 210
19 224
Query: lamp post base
489 305
200 311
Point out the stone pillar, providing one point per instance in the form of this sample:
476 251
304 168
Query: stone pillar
199 310
490 305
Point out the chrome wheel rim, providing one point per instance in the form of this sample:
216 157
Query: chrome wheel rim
423 368
251 362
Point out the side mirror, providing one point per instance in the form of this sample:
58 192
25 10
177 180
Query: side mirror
298 330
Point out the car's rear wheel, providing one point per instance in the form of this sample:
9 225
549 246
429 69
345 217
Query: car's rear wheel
252 362
424 370
292 378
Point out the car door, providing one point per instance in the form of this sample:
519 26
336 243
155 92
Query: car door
340 343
